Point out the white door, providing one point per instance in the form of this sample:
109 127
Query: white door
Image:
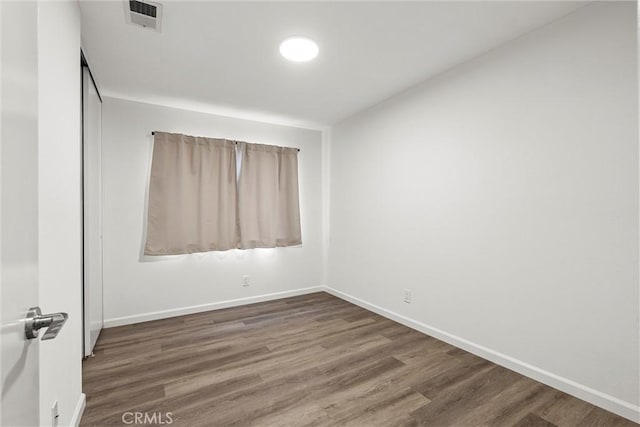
19 405
92 195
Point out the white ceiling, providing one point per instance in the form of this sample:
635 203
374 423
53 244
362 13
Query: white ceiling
223 57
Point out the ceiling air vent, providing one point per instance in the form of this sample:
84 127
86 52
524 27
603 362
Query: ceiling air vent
146 14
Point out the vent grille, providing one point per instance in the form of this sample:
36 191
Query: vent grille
142 8
144 13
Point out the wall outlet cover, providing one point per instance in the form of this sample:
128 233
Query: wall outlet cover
407 296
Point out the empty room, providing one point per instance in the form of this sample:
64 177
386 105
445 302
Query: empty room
319 213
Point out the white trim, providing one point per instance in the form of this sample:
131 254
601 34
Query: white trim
581 391
173 312
77 413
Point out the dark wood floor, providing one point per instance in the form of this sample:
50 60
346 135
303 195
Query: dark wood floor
309 360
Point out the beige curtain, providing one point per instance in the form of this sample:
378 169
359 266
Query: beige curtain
268 205
192 195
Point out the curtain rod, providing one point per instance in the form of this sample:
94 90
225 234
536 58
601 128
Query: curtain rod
236 142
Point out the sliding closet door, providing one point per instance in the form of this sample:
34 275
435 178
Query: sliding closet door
92 191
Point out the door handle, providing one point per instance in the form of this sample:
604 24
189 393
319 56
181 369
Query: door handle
36 321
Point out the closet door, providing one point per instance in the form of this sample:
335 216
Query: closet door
92 203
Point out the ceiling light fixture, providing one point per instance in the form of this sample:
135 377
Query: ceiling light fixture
299 49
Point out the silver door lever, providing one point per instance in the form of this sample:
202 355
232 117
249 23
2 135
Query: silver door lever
36 321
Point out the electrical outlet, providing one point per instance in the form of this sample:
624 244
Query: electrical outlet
407 296
245 280
55 415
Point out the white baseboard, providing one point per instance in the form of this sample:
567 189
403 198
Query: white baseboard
155 315
77 413
603 400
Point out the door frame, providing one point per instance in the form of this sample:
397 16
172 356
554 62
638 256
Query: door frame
83 169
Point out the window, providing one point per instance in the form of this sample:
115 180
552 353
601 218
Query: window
199 201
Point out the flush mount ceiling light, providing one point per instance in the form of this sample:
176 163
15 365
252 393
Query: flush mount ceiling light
299 49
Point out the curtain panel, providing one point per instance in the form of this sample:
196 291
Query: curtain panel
268 200
199 201
192 195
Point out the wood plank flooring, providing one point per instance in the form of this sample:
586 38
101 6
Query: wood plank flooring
312 360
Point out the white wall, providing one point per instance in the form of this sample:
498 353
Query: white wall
504 194
59 181
138 288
